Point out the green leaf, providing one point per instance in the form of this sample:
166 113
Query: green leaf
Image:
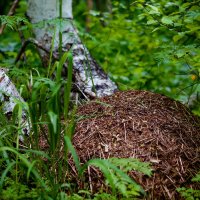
60 66
180 53
167 20
153 10
53 119
196 178
156 29
128 164
5 172
150 22
67 89
117 179
26 162
178 37
94 13
71 148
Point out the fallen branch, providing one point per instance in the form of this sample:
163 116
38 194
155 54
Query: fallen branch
37 44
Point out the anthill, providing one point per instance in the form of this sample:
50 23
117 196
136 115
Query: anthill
144 125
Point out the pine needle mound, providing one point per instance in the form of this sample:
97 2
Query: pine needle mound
147 126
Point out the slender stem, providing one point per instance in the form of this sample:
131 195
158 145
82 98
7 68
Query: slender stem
60 30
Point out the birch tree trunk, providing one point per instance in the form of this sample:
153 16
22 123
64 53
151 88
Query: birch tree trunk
8 98
89 78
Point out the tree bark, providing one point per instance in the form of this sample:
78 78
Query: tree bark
9 97
88 76
89 7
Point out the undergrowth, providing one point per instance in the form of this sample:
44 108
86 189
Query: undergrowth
189 193
28 172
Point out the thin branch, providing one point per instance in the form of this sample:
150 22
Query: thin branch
36 43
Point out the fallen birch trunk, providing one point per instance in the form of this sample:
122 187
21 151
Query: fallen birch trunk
8 98
89 79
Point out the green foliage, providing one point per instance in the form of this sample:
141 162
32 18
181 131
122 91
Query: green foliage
29 176
196 178
13 21
119 181
127 165
189 193
148 45
42 174
15 191
116 178
141 44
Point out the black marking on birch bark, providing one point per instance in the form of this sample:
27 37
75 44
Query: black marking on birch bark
89 76
9 115
6 97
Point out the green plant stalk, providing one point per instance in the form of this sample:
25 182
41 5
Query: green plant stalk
60 66
5 155
69 146
57 103
51 53
33 117
60 30
43 97
69 131
70 127
55 106
19 117
67 89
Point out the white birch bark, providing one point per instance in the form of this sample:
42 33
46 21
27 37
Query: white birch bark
8 97
194 100
88 76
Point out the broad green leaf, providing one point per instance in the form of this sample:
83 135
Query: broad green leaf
150 22
167 20
153 9
180 53
178 37
94 13
196 178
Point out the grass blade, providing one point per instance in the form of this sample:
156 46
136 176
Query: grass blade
4 174
71 148
26 163
68 85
